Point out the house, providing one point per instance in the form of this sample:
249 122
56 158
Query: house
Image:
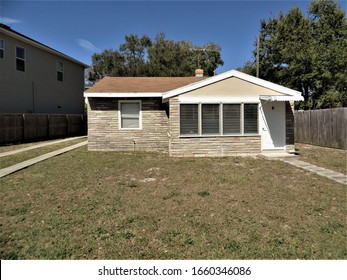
36 78
228 114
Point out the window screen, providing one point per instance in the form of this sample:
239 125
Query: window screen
189 119
231 119
210 118
250 118
130 115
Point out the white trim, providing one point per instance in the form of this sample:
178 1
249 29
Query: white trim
280 98
123 94
120 114
229 74
60 71
218 99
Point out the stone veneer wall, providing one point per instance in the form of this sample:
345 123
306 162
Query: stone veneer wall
289 125
207 146
104 133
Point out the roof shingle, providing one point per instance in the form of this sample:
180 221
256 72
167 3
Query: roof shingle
141 84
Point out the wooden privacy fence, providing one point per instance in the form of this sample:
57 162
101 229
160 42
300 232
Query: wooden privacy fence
326 127
31 127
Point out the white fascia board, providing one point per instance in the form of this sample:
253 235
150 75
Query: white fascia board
229 74
217 99
281 98
122 94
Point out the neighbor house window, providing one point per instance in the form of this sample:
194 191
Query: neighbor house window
2 48
130 114
60 71
218 119
20 59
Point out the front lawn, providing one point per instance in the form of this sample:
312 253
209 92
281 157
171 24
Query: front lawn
330 158
98 205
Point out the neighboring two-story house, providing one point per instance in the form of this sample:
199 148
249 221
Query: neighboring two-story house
35 78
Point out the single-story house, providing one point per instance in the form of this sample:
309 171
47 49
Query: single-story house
228 114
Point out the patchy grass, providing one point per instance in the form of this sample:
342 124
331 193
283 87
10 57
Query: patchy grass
334 159
17 158
88 205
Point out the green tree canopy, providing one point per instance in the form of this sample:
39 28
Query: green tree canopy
306 53
142 56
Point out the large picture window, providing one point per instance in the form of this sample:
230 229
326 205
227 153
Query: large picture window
130 114
218 119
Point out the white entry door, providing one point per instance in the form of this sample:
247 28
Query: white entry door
272 125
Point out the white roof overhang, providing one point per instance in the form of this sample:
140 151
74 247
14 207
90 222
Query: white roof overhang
281 98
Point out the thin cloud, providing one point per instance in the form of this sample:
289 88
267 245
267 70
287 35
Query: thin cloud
85 44
6 20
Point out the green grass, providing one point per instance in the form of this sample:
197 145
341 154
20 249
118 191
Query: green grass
330 158
98 205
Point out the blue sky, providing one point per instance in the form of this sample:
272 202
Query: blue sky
80 28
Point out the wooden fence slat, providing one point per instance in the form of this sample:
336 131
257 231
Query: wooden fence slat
31 127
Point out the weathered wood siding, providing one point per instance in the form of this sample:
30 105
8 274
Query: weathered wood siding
327 127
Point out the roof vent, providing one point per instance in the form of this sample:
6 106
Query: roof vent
199 73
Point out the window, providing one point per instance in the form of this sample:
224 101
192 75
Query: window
210 118
130 114
250 113
189 119
231 119
20 59
2 48
218 119
60 71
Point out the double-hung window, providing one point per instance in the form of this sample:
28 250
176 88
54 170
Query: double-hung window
218 119
2 48
130 115
20 59
60 71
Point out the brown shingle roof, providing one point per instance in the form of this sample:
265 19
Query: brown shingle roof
141 84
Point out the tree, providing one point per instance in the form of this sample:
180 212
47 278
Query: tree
159 57
307 53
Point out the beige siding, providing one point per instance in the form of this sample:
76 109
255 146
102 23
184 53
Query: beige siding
232 87
104 133
207 146
37 90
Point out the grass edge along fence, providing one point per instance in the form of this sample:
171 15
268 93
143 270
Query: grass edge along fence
16 128
325 127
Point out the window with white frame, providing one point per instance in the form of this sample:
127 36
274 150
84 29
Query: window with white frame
218 119
20 59
60 71
130 115
2 48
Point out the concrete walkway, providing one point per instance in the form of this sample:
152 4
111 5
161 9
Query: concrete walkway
24 164
4 154
293 160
